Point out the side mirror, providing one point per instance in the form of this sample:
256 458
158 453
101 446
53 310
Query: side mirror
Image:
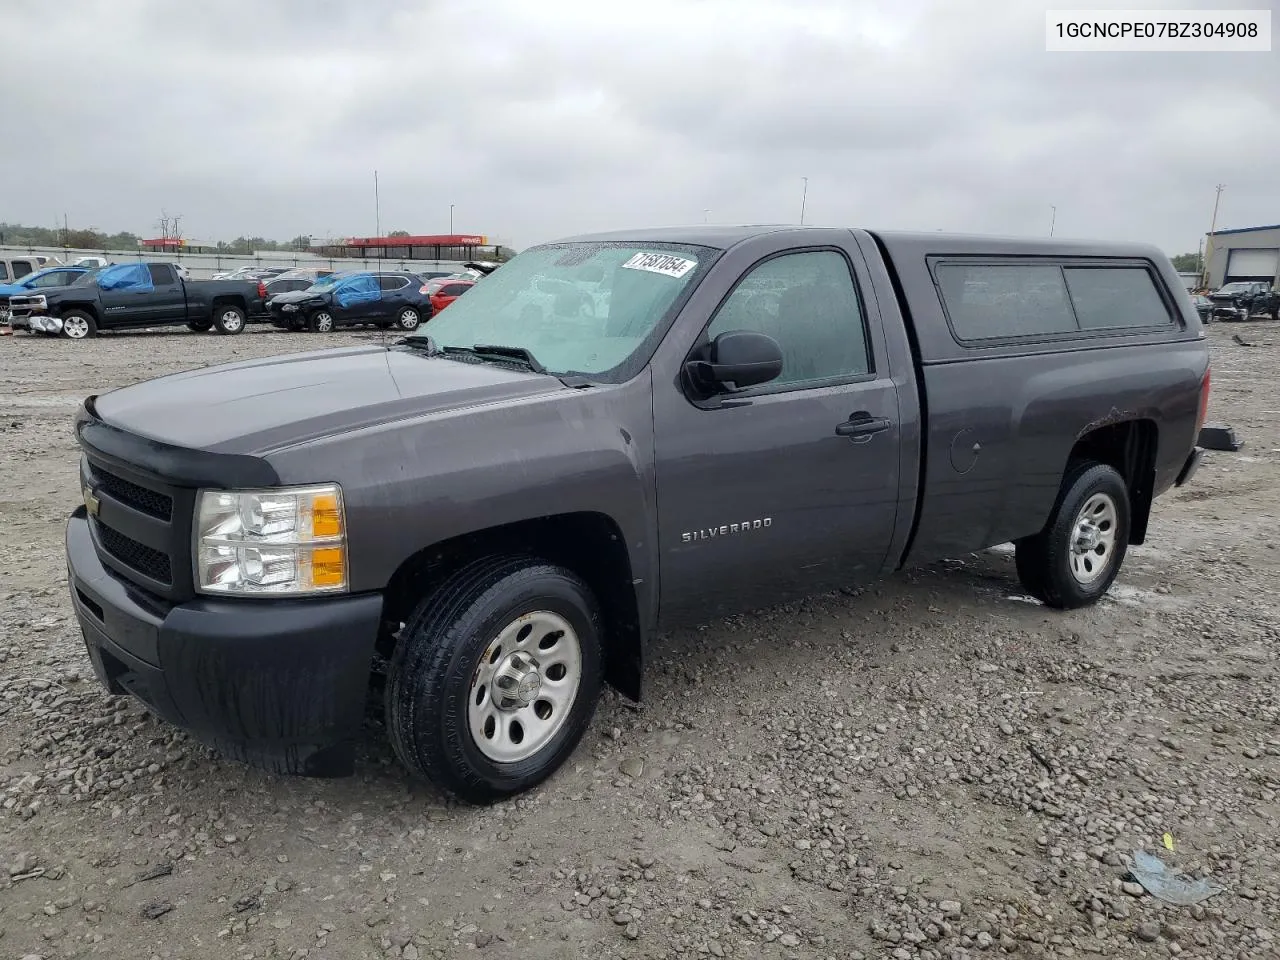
737 359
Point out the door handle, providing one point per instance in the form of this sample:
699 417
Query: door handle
862 426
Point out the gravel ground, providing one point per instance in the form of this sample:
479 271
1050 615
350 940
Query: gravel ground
934 767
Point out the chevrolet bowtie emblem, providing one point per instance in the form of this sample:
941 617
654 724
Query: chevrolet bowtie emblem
91 502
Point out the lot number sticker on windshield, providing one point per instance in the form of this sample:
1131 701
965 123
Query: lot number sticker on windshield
662 263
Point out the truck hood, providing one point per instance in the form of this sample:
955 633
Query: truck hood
256 406
297 296
15 290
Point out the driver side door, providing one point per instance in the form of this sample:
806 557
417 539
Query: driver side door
789 488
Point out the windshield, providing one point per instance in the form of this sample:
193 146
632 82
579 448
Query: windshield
88 279
1236 287
577 307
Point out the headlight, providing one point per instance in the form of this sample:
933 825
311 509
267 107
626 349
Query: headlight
279 541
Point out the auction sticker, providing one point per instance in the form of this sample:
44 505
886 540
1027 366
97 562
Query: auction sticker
662 263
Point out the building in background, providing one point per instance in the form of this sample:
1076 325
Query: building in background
1247 253
176 245
448 246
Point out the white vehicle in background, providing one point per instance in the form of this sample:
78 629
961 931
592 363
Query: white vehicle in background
93 263
15 268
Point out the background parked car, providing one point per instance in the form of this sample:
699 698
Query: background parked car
1204 307
251 272
347 299
15 268
443 292
1243 298
40 280
279 285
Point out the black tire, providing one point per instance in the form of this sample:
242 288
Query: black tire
322 321
435 666
199 326
228 319
1045 561
78 325
408 319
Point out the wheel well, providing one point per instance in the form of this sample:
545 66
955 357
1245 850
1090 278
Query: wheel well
227 301
1130 447
88 308
589 544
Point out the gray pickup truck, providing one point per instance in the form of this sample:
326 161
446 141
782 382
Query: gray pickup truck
480 524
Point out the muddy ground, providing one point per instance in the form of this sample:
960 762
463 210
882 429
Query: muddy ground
933 767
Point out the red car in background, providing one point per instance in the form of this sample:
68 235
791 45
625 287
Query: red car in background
444 290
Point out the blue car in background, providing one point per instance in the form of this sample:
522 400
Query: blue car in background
40 280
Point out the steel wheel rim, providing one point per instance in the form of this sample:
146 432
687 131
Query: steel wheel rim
231 320
408 319
77 328
1093 538
523 690
324 322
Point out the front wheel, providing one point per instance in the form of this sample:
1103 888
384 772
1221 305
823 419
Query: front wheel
322 322
228 319
1075 559
408 319
78 325
495 678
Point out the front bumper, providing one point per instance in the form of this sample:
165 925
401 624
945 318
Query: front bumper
293 319
279 684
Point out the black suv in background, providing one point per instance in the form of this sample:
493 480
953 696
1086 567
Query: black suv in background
392 299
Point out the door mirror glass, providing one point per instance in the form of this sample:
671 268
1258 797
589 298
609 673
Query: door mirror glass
737 359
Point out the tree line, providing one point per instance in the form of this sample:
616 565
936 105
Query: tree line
91 238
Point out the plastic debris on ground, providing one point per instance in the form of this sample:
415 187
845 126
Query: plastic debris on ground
1218 436
1168 884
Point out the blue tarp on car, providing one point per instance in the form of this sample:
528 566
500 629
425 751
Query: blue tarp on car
362 288
126 276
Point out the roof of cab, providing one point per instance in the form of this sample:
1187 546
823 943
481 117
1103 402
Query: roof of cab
899 242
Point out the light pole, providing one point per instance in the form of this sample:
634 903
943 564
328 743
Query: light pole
377 207
1053 218
803 197
1213 225
706 216
451 219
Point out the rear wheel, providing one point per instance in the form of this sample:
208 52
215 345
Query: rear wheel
495 678
1073 561
78 325
228 319
322 322
408 319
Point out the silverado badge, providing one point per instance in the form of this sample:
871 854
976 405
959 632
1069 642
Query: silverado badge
725 530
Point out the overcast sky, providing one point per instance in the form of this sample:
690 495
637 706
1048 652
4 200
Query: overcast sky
541 119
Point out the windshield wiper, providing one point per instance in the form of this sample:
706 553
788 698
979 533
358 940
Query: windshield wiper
500 352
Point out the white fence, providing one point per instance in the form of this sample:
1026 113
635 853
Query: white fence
205 265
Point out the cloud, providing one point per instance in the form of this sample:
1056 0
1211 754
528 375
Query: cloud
537 120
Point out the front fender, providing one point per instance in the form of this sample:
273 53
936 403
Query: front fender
419 481
60 307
